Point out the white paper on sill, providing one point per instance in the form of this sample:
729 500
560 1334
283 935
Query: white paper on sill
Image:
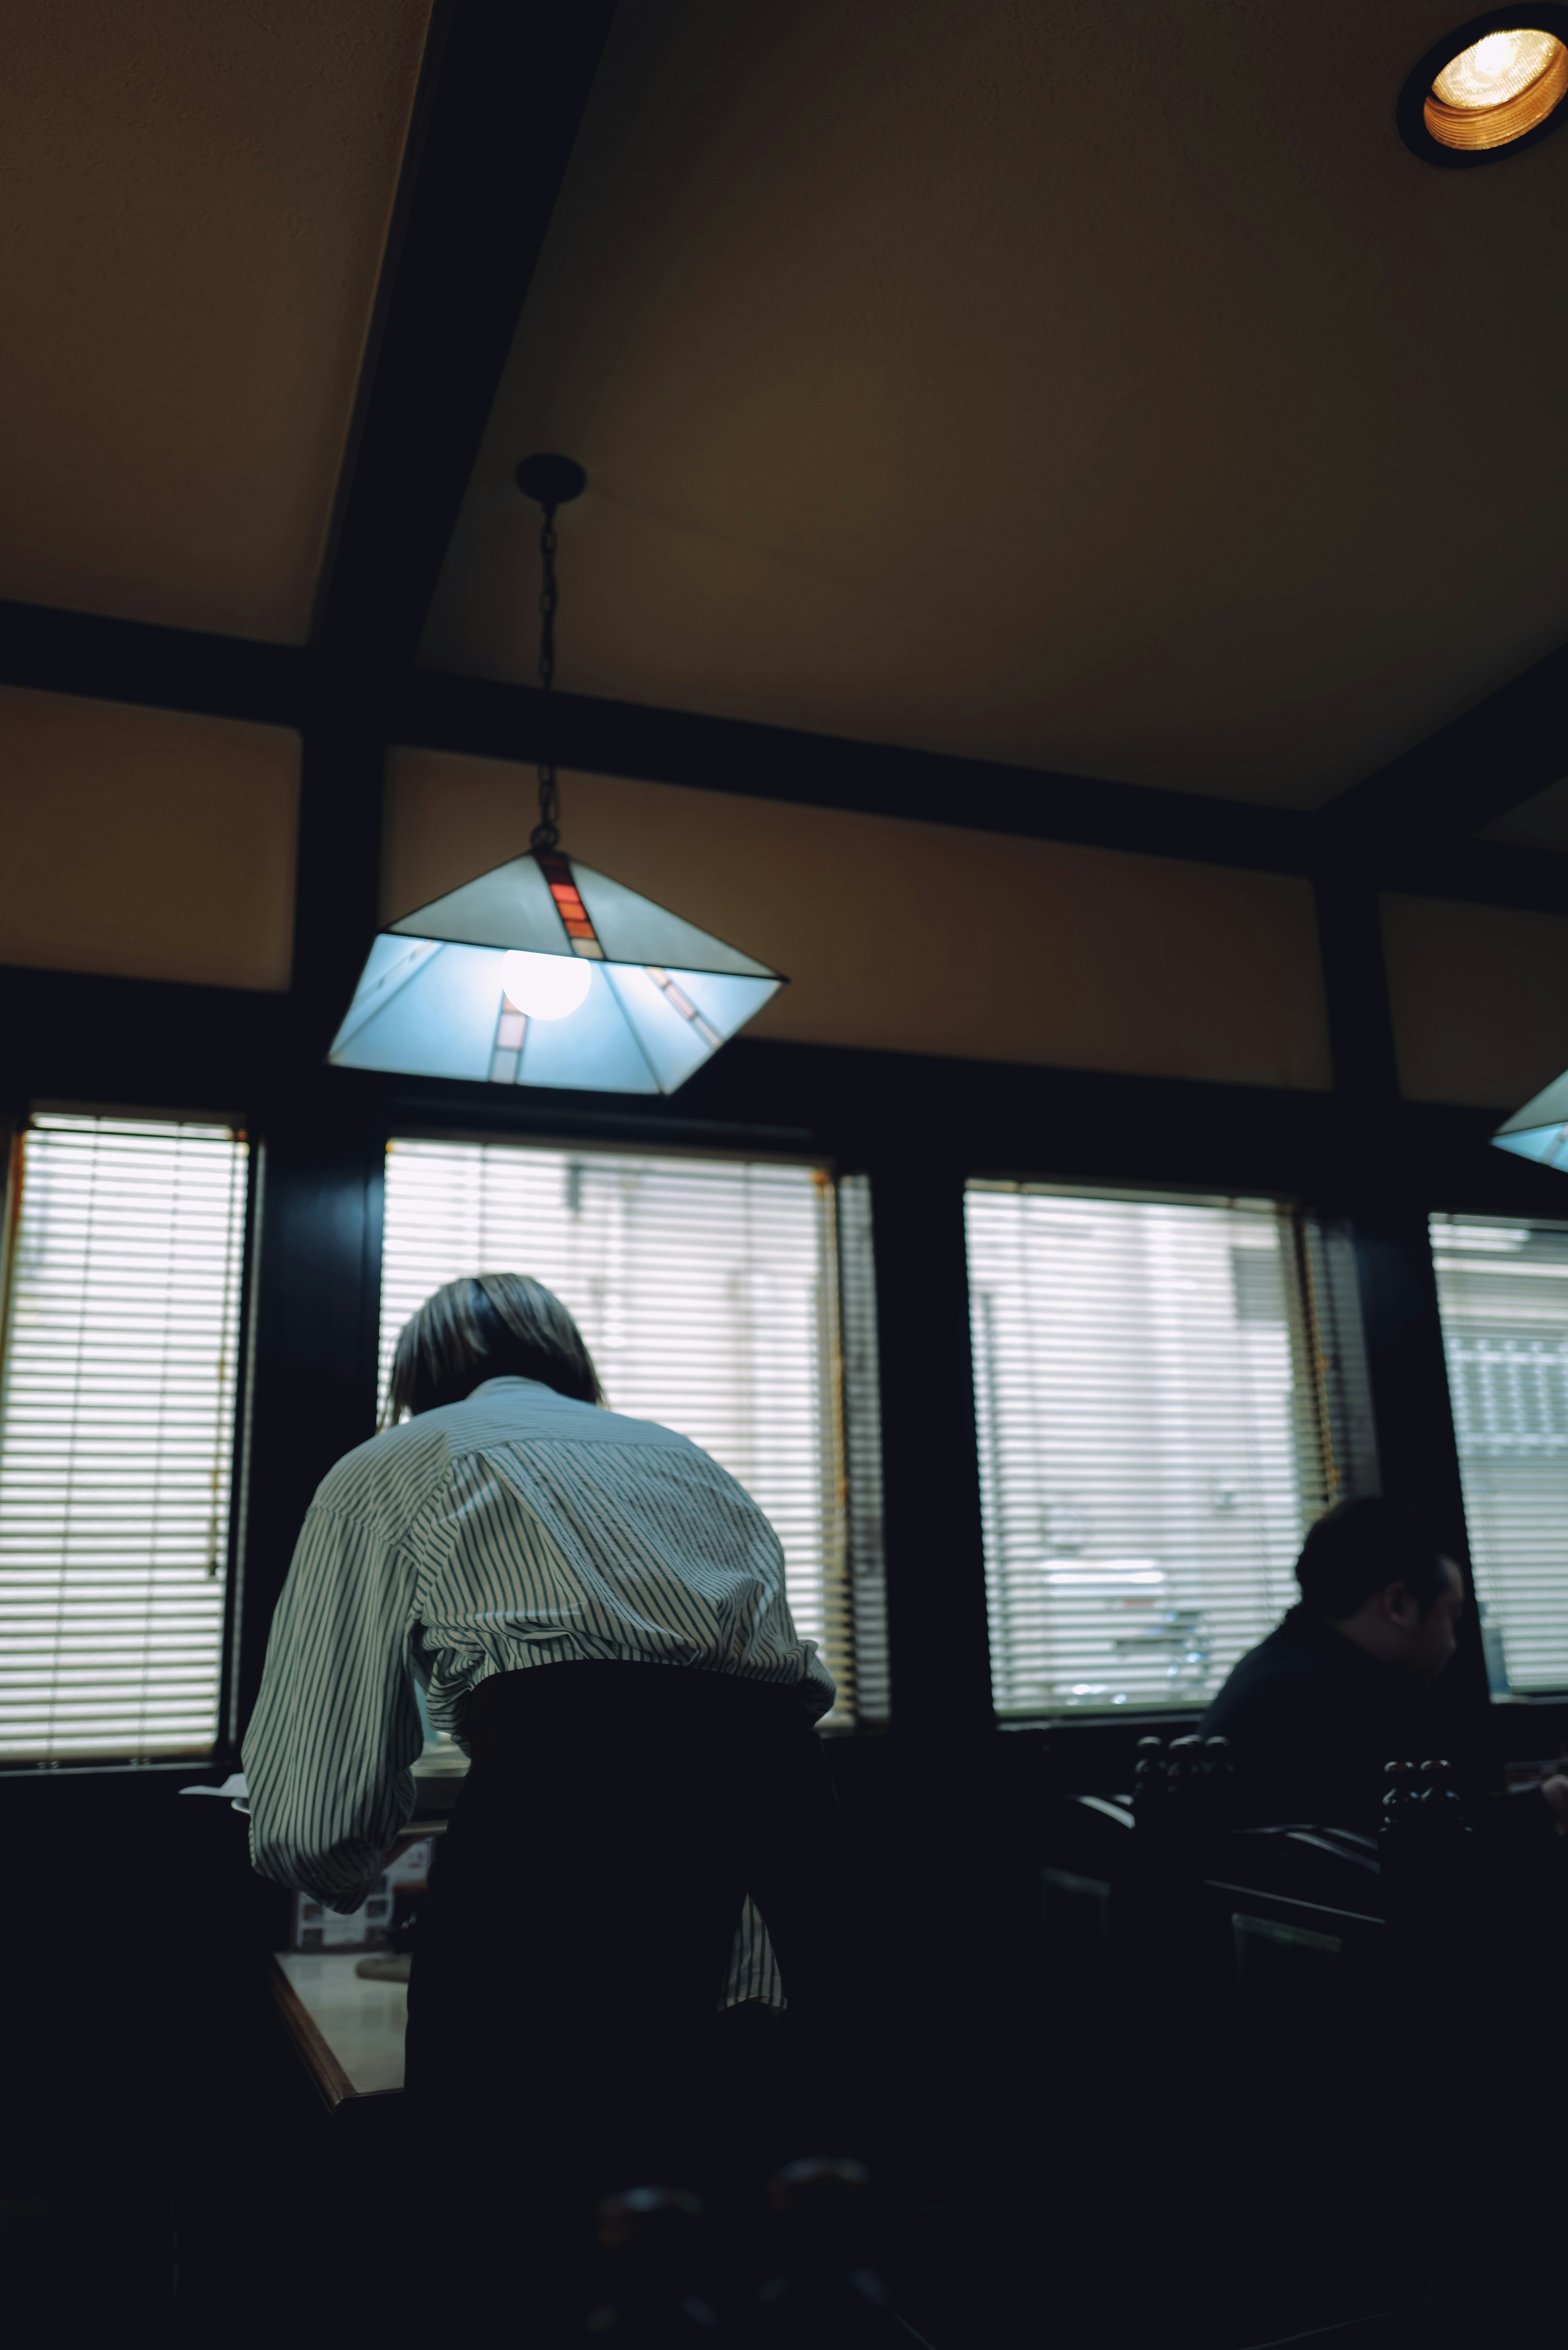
233 1787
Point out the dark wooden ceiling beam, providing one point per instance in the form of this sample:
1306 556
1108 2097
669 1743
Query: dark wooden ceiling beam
500 105
177 669
1489 759
53 651
1476 872
437 710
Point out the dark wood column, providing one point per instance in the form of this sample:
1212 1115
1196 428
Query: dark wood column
940 1653
317 1242
315 1308
1384 1181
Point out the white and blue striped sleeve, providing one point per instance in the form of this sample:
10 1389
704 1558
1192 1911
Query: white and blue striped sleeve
329 1749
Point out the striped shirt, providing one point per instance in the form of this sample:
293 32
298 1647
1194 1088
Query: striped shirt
517 1530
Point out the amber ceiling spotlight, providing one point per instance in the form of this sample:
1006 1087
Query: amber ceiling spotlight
1489 87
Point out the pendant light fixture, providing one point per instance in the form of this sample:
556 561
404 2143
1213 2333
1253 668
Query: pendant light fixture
543 972
1540 1130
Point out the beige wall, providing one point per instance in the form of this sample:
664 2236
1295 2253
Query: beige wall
1479 998
918 937
146 844
154 844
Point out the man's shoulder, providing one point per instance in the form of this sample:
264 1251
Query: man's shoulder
390 1473
1286 1666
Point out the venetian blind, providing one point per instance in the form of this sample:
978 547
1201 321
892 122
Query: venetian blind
1503 1294
862 1413
1156 1435
707 1292
117 1430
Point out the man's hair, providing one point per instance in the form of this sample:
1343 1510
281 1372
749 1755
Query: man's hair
1359 1547
488 1325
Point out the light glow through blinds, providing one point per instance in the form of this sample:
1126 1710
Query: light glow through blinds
707 1292
1154 1441
1503 1294
117 1431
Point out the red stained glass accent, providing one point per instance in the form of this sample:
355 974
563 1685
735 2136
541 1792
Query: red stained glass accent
567 899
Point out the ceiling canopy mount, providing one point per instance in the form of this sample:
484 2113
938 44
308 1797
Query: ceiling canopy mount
550 482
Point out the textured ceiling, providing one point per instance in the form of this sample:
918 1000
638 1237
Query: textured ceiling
195 199
1098 389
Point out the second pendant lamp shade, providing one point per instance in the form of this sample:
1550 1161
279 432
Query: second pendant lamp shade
542 972
1540 1130
487 984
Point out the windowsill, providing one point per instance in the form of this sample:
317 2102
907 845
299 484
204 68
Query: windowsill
1114 1717
219 1765
187 1766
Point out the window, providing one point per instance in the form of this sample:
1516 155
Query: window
121 1297
707 1290
1502 1292
1167 1394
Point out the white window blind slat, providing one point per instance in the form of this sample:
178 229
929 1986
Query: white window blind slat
1502 1294
707 1293
118 1393
1154 1440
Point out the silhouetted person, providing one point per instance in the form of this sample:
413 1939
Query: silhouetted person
597 1611
1344 1683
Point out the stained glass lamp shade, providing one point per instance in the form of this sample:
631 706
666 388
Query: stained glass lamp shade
1540 1130
544 972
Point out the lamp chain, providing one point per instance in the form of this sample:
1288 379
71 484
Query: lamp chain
548 831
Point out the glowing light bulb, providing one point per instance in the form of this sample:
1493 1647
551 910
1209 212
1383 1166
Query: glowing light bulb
545 986
1491 59
1495 69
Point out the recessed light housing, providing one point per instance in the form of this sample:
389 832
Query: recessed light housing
1489 87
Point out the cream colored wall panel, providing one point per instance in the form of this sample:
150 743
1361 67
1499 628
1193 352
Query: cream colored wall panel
1479 998
919 937
146 844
